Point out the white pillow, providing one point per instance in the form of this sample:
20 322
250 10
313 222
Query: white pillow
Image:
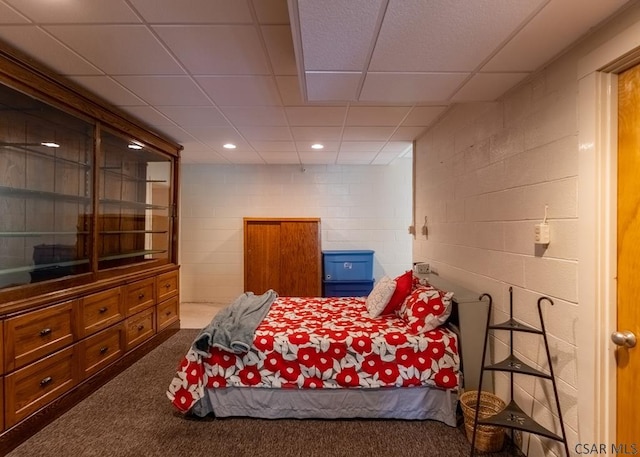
380 296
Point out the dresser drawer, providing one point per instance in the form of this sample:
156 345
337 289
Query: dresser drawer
33 335
140 295
168 312
166 285
99 350
140 328
99 311
32 387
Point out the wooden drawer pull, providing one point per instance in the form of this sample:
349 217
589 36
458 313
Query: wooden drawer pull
140 296
46 381
168 285
103 310
45 331
140 327
104 349
168 313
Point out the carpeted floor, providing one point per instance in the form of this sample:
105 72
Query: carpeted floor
131 416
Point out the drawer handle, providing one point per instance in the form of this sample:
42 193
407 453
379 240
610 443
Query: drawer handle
104 349
45 331
167 285
46 381
103 310
140 296
140 327
168 313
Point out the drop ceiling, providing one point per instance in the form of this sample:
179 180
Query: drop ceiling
363 77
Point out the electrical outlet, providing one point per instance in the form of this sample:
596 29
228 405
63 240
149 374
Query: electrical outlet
541 233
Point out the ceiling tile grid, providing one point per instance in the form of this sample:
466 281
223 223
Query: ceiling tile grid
364 77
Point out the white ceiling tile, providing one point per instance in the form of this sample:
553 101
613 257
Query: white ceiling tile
273 146
109 89
216 49
176 133
218 136
410 87
257 133
407 133
331 86
10 16
316 115
397 147
417 35
241 90
195 116
370 133
198 11
324 157
329 146
289 88
208 157
356 158
487 86
549 32
242 157
384 158
349 27
277 38
271 11
361 146
280 157
255 115
318 134
376 115
148 115
76 11
165 90
96 43
34 41
422 116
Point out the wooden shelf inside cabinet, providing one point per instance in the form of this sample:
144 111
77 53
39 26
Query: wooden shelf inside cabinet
43 194
512 416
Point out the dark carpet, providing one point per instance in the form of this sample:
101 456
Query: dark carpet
131 416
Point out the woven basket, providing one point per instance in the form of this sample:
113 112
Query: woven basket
489 438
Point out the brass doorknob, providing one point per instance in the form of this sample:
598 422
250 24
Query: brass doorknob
624 338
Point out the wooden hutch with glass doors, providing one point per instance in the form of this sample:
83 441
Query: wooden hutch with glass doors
88 244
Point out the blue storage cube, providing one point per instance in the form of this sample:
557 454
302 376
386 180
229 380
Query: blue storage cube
347 288
348 265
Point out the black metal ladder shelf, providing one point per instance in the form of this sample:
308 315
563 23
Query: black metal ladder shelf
512 416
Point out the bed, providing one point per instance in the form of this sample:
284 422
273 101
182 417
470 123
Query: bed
319 357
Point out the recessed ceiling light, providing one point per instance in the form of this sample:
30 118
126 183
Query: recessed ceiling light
229 146
50 144
317 146
134 146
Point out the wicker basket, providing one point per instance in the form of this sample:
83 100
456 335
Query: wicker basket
488 437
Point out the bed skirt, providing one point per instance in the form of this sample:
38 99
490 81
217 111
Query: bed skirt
417 403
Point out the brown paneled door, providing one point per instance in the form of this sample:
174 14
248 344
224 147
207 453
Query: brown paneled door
283 255
628 292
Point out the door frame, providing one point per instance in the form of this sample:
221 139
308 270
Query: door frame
597 202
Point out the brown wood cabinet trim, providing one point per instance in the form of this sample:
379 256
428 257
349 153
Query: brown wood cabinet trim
14 436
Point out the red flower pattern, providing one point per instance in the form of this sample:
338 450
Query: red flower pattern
323 343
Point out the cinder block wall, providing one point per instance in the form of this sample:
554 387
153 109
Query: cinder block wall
361 207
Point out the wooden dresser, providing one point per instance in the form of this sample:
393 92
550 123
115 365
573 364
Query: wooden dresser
48 350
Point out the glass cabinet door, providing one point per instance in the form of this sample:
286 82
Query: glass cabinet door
134 215
45 191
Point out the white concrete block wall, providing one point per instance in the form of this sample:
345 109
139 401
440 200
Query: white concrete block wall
361 207
484 175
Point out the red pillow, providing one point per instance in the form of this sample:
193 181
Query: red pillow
426 308
404 283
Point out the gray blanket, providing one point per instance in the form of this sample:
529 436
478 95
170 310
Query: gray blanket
233 328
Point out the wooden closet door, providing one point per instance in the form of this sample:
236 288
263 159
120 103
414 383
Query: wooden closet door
300 261
283 255
261 256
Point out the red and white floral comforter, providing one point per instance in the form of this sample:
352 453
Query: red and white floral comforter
323 343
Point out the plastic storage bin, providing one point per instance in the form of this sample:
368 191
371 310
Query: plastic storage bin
347 288
348 265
